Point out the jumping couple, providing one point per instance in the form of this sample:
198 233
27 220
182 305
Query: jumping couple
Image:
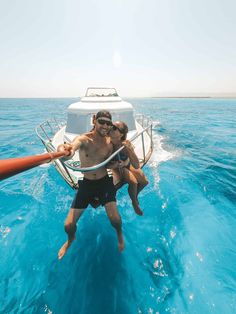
94 147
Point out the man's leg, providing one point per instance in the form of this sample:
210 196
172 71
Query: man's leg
114 217
116 176
70 229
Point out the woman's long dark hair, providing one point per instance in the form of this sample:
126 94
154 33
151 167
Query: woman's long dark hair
123 128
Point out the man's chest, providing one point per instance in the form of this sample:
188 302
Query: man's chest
97 152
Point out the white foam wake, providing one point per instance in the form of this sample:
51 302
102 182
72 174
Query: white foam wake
159 153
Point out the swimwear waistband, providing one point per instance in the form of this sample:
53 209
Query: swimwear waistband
98 180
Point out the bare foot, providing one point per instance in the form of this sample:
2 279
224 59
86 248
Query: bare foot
121 243
137 209
63 249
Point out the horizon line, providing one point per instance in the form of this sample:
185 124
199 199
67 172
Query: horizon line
68 97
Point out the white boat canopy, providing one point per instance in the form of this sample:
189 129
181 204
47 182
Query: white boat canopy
80 114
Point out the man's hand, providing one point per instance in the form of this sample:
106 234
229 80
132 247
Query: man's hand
65 148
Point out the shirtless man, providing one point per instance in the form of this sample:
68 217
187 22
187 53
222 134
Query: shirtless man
94 147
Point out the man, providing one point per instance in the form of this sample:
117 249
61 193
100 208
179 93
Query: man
94 147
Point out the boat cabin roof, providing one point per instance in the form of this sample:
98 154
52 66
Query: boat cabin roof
101 94
79 114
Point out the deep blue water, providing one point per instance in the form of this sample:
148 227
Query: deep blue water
180 256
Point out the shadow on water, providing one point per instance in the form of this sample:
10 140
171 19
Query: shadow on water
92 277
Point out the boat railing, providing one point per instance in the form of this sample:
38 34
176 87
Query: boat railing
47 129
144 121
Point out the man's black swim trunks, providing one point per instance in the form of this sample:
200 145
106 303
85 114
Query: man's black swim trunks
103 189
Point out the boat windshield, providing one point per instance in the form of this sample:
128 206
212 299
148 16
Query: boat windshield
101 92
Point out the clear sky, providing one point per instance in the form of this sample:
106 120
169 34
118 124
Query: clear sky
56 48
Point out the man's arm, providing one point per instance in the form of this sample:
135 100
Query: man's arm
131 154
70 149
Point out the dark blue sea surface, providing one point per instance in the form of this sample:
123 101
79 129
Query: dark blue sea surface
180 256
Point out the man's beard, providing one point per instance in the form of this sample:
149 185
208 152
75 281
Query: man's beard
102 134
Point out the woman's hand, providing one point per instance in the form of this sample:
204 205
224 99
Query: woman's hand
127 144
121 164
116 164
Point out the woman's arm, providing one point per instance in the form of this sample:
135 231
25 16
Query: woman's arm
116 164
131 154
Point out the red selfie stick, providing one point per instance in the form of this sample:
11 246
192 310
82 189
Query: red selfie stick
12 166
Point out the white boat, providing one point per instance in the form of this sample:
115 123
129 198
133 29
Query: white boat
79 120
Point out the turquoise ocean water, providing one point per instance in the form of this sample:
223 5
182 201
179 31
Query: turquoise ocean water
180 256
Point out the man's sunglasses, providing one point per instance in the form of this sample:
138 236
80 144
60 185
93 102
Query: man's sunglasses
114 128
103 122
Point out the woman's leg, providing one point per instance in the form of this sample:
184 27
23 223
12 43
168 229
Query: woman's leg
132 190
140 177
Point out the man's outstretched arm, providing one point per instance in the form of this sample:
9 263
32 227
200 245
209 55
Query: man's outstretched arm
70 148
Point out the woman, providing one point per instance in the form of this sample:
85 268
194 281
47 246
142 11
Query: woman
125 166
